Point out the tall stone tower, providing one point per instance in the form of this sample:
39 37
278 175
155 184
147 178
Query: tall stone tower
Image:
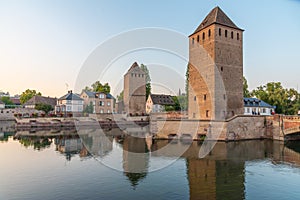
216 68
135 90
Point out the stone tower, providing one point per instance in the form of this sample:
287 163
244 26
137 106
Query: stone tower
216 68
135 90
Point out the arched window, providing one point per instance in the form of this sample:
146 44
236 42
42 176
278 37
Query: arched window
238 36
209 33
220 31
231 34
198 38
203 36
225 33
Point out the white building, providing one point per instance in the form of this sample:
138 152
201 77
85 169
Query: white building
254 106
69 104
2 105
156 103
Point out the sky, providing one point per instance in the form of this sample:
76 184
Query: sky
45 44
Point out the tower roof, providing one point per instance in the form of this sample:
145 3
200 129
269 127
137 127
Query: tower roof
134 65
216 16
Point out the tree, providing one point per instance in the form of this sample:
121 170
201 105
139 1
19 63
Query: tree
285 100
6 100
28 94
99 87
187 75
89 108
120 96
245 88
43 107
148 80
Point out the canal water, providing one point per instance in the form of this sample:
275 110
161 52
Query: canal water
48 166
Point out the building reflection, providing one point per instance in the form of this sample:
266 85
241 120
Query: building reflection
136 155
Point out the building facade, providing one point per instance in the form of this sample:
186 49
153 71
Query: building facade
135 90
254 106
2 105
69 104
216 68
156 103
101 102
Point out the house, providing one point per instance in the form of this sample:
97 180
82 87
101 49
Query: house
69 104
254 106
16 101
35 100
157 102
2 105
101 102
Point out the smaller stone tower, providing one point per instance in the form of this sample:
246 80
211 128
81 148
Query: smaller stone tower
135 90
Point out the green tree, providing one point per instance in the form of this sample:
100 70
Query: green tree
43 107
245 88
120 96
6 100
89 108
28 94
148 80
99 87
285 100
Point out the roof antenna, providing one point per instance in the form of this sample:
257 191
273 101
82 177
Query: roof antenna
67 86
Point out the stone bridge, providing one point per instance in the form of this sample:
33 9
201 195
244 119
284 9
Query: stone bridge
286 127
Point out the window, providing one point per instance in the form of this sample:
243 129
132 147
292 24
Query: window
79 108
108 111
238 36
203 36
139 75
101 96
198 38
209 33
193 40
204 97
220 31
248 110
101 103
225 33
224 96
108 103
207 113
68 101
68 108
221 68
131 74
135 75
101 110
263 110
231 34
195 98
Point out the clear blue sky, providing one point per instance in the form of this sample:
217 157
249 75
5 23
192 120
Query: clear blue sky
43 44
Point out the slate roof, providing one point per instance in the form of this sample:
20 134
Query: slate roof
70 96
41 100
90 94
135 67
254 102
216 16
93 94
162 99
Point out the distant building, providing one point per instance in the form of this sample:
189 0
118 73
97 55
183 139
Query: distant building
35 100
16 101
101 102
3 94
69 104
254 106
157 102
135 90
2 105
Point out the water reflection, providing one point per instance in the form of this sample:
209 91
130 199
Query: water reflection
220 175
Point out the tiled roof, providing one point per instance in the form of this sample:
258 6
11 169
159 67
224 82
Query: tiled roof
254 102
162 99
41 100
216 16
70 96
16 101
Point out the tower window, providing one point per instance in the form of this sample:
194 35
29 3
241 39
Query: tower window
198 38
203 36
231 34
195 98
225 33
204 97
193 41
209 32
221 68
220 31
224 96
207 112
238 36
